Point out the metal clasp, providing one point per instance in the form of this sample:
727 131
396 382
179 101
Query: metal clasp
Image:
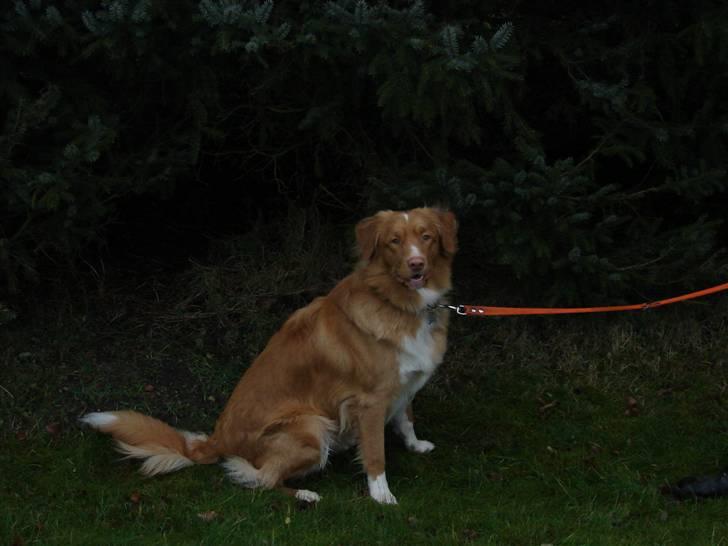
459 309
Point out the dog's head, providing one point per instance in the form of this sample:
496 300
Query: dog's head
416 246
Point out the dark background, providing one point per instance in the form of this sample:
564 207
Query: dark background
581 144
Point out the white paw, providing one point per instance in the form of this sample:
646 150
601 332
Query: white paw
385 498
421 446
307 496
379 490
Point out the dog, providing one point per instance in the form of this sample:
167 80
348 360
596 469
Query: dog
336 372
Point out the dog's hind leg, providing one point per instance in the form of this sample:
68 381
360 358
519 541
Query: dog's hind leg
292 449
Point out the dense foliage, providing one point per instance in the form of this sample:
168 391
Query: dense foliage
583 144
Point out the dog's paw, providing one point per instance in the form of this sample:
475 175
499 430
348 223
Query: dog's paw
379 490
421 446
384 497
307 496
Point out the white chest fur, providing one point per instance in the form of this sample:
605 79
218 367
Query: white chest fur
417 362
417 353
428 296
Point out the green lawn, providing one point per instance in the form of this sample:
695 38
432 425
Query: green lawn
556 431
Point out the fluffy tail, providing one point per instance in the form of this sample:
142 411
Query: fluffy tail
162 448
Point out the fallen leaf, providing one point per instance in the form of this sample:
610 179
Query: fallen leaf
135 497
633 409
208 516
54 429
148 388
21 436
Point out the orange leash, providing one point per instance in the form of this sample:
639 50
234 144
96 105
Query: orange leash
487 311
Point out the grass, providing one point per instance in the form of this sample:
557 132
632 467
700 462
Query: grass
548 431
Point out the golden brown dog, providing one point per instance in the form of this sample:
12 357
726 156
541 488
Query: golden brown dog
333 375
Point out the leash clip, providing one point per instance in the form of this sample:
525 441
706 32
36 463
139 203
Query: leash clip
459 309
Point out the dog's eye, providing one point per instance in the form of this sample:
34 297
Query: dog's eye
426 237
395 241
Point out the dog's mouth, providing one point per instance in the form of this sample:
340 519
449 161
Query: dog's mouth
416 280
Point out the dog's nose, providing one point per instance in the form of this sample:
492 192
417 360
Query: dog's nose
416 263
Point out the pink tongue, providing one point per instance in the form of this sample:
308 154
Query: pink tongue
416 283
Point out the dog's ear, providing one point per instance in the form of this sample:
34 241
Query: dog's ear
367 237
448 228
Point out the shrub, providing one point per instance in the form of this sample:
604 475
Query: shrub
582 145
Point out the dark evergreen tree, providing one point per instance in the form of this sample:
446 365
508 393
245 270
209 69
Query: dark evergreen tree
583 145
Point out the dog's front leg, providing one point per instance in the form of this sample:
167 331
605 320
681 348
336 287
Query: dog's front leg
404 425
371 448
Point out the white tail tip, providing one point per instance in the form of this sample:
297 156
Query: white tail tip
98 420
